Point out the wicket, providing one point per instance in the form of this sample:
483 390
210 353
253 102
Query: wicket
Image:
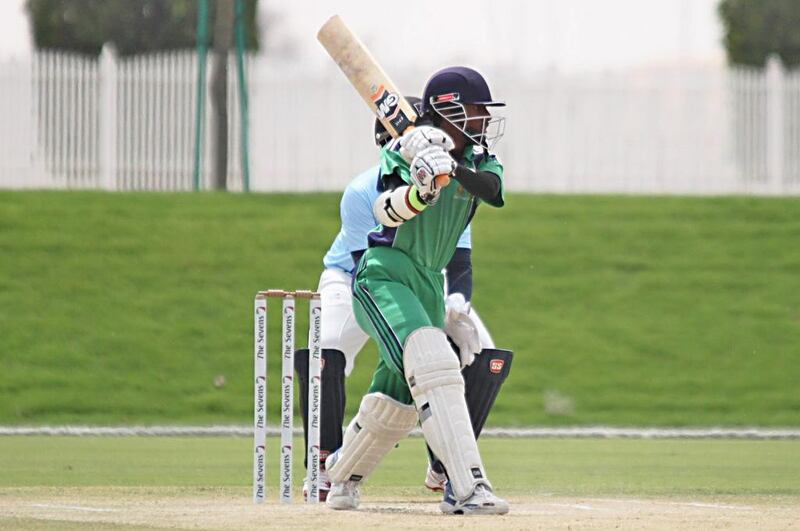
287 393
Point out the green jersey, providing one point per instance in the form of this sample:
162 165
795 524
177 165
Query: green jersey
430 238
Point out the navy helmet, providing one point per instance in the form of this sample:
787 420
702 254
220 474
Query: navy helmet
445 95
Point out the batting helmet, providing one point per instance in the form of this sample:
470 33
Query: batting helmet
445 95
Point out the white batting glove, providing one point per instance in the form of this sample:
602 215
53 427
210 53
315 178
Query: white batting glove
461 329
429 163
423 137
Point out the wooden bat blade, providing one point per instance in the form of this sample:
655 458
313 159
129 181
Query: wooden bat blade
366 76
369 79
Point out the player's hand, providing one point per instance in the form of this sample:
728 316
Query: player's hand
429 163
423 137
461 329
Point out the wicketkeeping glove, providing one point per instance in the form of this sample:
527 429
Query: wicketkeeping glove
461 329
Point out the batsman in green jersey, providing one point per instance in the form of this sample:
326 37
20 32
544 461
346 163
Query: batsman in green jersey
398 293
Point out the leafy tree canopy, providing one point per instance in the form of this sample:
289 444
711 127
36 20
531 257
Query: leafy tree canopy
133 26
756 29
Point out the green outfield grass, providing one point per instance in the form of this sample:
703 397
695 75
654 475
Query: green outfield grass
124 308
568 467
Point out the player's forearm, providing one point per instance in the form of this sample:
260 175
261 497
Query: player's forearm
395 207
483 184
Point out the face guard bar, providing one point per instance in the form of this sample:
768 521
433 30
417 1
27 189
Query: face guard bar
490 129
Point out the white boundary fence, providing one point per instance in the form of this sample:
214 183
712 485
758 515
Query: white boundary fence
129 124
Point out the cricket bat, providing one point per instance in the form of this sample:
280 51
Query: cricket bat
369 79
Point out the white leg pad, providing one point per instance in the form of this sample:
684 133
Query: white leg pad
433 373
380 423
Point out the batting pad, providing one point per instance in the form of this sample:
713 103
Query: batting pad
432 371
380 423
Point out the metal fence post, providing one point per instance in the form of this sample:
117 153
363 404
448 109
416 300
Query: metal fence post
244 110
200 103
107 134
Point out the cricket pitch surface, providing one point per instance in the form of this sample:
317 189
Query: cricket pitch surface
228 508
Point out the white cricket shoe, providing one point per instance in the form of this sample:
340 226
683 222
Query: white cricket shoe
341 496
481 501
434 480
344 496
324 486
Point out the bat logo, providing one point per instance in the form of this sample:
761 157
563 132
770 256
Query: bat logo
496 365
387 103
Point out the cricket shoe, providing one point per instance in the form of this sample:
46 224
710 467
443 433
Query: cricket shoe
324 486
481 501
434 480
344 496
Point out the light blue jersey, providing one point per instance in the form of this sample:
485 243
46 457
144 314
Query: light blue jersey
358 220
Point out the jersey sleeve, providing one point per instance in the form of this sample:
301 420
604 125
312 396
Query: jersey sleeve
492 164
393 163
355 210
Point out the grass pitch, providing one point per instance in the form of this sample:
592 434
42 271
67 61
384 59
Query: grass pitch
140 482
565 467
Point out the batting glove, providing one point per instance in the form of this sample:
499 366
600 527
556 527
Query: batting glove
429 163
423 137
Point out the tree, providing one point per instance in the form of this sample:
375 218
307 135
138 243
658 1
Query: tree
756 29
133 26
223 42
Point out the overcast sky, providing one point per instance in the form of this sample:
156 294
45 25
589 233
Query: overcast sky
570 35
14 34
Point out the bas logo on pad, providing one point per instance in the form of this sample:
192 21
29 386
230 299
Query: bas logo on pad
496 365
